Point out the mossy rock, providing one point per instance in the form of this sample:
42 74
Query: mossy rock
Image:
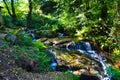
45 33
2 28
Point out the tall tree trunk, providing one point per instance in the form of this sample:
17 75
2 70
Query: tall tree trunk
87 5
104 10
12 14
118 7
7 7
14 18
29 16
77 3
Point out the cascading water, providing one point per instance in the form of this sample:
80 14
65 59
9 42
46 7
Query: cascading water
60 35
85 48
31 32
54 64
82 47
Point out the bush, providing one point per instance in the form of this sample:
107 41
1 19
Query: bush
115 73
72 76
35 54
24 40
32 52
68 76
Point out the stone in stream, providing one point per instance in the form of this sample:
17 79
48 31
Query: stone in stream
76 45
11 38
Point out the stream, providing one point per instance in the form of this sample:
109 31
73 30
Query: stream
76 57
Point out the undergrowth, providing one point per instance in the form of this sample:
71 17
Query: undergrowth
115 73
32 52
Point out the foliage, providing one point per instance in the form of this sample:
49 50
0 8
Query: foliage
57 78
24 40
69 76
115 45
39 45
73 77
116 53
2 27
4 45
20 11
115 73
42 60
33 51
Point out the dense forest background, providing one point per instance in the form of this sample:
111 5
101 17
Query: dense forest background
94 20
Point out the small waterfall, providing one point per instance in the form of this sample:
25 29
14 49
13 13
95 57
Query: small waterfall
70 43
54 64
60 35
31 32
85 48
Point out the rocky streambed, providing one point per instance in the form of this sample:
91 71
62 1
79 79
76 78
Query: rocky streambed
77 57
71 56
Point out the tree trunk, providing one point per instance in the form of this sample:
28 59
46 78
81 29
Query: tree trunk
29 16
104 9
118 7
14 18
87 5
7 8
12 14
77 3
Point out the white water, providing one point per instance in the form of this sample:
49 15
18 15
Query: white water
87 45
60 35
87 51
92 54
31 32
53 64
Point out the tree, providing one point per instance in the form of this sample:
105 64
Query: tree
118 7
103 10
12 13
29 15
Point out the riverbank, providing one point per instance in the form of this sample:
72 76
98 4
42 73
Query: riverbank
9 70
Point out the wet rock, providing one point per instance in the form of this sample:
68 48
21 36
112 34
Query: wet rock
75 62
79 72
28 65
45 33
88 77
117 64
11 38
63 68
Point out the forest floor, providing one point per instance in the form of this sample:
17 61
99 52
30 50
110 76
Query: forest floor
10 71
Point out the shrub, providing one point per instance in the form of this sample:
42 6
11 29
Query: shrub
24 40
115 73
32 51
